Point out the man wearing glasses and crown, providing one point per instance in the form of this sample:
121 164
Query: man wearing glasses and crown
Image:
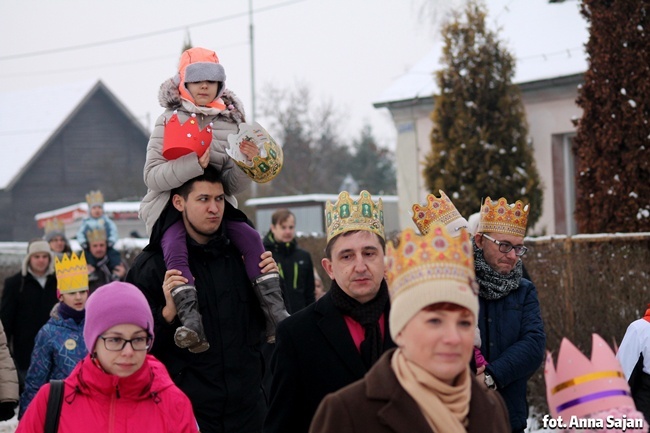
510 319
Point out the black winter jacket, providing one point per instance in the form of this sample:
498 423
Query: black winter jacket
297 271
223 383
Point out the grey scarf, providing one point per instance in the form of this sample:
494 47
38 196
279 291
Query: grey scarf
492 284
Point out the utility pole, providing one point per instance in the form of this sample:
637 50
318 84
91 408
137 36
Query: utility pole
252 50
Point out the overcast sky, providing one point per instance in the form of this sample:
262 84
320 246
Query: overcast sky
345 51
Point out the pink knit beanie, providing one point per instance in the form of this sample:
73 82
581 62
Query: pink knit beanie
114 304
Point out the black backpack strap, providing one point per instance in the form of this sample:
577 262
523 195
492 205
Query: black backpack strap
54 403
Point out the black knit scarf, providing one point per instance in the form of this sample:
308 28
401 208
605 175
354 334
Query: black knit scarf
492 284
367 315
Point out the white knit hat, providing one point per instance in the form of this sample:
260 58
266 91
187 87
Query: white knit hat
38 246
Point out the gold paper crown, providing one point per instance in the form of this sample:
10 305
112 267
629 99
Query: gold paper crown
264 169
424 270
54 225
501 217
95 198
437 209
96 235
347 215
435 256
71 273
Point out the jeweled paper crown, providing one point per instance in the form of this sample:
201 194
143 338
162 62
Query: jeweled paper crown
54 225
265 166
96 235
347 215
438 209
578 386
424 270
501 217
71 273
181 139
95 198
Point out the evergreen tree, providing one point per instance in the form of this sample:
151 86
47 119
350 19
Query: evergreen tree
612 180
479 144
372 166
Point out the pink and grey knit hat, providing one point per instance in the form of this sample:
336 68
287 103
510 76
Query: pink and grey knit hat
114 304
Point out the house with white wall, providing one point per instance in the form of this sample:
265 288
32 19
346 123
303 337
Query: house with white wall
547 40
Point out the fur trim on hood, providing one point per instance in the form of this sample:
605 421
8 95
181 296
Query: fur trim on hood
170 98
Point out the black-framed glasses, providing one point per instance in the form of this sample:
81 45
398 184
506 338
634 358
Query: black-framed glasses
506 247
115 344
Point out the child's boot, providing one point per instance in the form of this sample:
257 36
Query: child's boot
269 294
190 334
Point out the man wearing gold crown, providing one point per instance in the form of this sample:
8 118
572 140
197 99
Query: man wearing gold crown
101 271
510 319
334 341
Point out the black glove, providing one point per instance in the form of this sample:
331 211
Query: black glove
7 410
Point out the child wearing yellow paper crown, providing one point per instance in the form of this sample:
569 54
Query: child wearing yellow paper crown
189 135
59 344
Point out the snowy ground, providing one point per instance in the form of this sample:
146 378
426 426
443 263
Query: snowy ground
9 426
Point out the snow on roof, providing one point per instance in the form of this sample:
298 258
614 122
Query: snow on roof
45 109
546 39
110 207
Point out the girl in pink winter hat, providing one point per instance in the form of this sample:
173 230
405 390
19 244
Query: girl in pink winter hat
117 387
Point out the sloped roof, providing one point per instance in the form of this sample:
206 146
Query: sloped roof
30 118
547 41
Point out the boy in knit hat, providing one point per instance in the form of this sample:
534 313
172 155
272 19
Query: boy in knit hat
200 110
27 299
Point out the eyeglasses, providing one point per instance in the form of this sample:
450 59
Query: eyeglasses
506 247
115 344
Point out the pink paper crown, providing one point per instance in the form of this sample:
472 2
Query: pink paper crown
181 139
579 386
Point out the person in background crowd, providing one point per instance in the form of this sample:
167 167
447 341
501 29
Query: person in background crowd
510 319
117 386
55 236
224 382
59 345
634 355
425 385
27 299
591 395
98 221
334 341
319 287
295 264
102 272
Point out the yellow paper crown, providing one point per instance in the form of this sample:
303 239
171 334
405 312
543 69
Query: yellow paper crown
95 198
501 217
347 215
71 273
424 270
54 225
437 209
96 235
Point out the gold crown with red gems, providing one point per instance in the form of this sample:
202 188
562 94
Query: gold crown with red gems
436 255
437 209
501 217
347 215
579 386
95 198
71 273
183 138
